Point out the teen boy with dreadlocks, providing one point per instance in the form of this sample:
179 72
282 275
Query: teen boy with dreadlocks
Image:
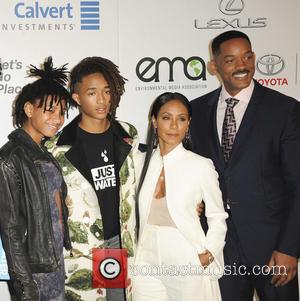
96 154
33 222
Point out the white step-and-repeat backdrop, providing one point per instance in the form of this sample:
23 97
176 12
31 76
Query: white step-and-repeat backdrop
159 45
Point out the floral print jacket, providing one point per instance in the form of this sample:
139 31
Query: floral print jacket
85 221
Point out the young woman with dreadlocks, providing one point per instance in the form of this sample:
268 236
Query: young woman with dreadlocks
33 222
96 153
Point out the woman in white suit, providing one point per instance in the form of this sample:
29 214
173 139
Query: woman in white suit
175 259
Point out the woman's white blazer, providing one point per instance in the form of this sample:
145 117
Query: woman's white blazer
189 179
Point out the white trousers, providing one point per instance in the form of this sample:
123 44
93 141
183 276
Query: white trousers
167 268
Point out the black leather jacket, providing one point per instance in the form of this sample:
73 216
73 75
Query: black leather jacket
25 220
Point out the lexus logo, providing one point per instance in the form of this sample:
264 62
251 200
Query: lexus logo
231 7
270 64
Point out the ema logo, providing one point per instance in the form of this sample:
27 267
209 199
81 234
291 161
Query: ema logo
148 70
89 15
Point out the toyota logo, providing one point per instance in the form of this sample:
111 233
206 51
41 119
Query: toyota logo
270 64
231 7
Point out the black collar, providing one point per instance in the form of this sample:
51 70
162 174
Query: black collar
68 135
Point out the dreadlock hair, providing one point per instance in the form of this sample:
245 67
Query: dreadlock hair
152 139
111 73
51 83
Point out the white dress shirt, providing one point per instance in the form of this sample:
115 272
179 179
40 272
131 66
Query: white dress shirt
239 109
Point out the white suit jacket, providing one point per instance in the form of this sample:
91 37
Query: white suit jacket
189 178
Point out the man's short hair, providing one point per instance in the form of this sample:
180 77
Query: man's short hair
226 36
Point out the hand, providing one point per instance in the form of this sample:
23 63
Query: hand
283 268
200 208
206 258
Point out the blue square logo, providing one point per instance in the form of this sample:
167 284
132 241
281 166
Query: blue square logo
90 15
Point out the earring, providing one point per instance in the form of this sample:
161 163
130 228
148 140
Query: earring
155 136
187 137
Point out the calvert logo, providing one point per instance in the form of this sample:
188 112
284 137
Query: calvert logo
37 10
89 15
270 65
84 15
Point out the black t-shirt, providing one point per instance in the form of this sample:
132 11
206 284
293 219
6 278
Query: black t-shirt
98 150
